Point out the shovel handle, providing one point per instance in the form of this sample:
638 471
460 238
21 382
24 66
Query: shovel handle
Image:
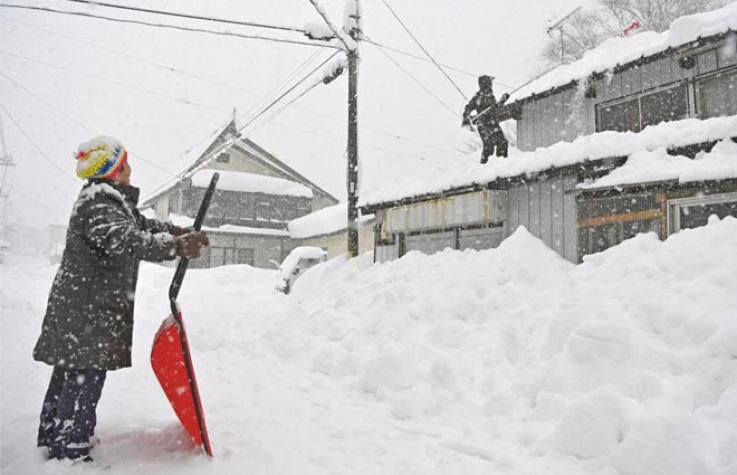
176 283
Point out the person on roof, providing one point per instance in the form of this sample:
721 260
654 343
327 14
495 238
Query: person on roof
486 119
88 326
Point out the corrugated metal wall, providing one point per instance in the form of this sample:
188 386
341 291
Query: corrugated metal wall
546 208
569 114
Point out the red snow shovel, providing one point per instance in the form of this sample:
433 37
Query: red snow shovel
170 355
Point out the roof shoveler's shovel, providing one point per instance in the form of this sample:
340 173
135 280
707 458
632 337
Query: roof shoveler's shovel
170 356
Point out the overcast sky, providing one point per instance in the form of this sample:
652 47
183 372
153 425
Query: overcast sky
163 92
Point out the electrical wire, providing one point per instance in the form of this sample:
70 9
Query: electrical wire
120 84
72 119
440 101
314 43
192 17
30 140
423 49
332 27
172 69
415 56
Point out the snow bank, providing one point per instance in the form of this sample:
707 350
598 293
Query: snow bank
252 183
622 365
509 361
619 51
591 147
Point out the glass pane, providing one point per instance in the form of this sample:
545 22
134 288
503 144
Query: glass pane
623 117
664 106
718 96
245 256
698 215
217 256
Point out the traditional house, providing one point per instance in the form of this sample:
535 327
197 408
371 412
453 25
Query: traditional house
257 195
638 136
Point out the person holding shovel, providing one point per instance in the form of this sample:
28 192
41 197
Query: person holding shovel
88 327
486 119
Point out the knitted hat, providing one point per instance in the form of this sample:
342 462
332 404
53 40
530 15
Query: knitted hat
101 157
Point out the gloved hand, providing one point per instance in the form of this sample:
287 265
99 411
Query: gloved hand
466 121
504 98
176 231
190 244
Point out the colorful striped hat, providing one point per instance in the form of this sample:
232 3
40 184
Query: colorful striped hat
101 157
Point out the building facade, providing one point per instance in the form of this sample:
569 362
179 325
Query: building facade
256 197
680 98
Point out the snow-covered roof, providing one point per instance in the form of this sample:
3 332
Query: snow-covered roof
186 221
657 165
325 221
587 148
252 183
620 51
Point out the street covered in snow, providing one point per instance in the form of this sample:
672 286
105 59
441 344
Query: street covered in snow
505 361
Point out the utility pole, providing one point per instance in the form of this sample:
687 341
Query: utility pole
6 161
352 181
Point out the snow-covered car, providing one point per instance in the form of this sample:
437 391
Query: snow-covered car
297 263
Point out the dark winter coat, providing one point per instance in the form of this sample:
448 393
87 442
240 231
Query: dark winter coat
89 318
485 105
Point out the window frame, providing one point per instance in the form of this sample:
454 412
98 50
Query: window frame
674 207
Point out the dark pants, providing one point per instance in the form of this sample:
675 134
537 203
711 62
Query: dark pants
69 412
492 137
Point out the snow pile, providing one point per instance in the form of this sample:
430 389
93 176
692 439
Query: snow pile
325 221
658 165
507 361
619 51
626 364
590 147
251 183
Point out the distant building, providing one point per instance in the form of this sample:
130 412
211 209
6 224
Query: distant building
327 229
256 197
607 147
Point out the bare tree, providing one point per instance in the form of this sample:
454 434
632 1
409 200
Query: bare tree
587 30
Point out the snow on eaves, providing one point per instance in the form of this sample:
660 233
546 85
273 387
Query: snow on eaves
251 183
325 221
186 222
587 148
620 51
656 166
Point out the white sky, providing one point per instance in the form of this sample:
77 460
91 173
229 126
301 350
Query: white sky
111 78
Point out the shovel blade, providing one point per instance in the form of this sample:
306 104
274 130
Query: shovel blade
172 364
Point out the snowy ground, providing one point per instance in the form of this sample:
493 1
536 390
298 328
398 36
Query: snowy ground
508 361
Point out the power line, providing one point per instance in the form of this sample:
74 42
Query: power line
174 27
30 140
452 68
192 17
275 101
120 84
330 25
172 69
423 49
440 101
72 119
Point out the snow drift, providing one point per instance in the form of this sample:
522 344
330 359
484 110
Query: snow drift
506 361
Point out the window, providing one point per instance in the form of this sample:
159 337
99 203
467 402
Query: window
217 256
718 95
245 256
622 117
247 210
635 114
664 106
687 213
231 205
263 209
217 206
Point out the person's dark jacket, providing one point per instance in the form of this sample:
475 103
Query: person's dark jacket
485 105
89 318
